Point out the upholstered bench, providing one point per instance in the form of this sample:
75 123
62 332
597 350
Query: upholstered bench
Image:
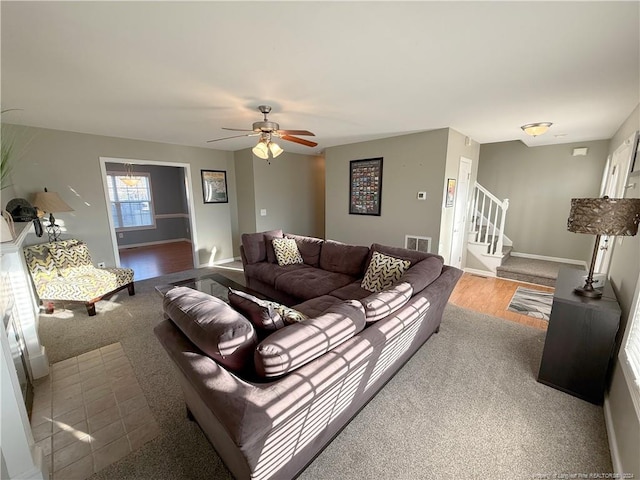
63 271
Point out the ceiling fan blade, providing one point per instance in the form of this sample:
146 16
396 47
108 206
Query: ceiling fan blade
235 136
237 129
296 132
301 141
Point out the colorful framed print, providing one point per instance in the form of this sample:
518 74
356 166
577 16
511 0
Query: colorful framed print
365 186
214 186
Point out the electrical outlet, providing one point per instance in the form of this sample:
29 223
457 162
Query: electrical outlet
101 264
120 235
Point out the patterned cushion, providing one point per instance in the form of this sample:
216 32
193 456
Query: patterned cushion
383 271
264 314
72 261
287 251
85 284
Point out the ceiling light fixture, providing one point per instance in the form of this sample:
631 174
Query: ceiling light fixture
535 129
130 180
264 146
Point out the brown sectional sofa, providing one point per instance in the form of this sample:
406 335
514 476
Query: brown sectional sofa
269 402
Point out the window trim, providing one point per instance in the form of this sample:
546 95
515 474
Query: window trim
121 173
632 334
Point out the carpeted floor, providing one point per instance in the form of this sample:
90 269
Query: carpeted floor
467 405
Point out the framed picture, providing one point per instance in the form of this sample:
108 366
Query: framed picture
451 192
214 186
365 186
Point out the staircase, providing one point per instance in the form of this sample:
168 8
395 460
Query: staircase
487 243
489 248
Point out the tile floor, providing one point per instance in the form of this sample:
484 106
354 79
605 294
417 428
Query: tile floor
89 413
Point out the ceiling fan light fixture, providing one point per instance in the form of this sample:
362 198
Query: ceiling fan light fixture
275 149
261 150
535 129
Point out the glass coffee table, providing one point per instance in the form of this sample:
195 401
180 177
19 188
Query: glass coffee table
215 285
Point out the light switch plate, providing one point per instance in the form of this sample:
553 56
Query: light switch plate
263 212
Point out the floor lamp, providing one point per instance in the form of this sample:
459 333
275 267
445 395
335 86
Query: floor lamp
50 202
602 216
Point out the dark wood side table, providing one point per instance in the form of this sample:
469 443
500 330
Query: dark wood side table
580 339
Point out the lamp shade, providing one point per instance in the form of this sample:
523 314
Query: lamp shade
275 149
604 216
50 202
261 150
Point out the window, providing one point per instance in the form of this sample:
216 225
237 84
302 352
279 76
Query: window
630 353
131 205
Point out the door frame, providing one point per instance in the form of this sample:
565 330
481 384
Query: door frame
188 189
618 173
460 212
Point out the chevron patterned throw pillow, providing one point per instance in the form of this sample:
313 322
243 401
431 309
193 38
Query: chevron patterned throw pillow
73 260
383 271
287 252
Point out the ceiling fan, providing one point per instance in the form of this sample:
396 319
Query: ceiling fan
267 130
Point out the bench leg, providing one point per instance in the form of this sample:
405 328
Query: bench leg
131 288
91 308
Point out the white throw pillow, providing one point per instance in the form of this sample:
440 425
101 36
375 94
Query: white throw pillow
287 252
383 271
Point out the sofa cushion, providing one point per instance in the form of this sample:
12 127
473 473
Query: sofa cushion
342 258
379 305
306 283
213 326
255 247
353 291
309 247
286 251
383 271
269 272
264 314
295 345
316 306
268 241
73 260
423 273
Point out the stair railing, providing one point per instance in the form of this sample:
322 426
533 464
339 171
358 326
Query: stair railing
488 214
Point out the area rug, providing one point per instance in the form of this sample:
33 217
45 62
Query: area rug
532 303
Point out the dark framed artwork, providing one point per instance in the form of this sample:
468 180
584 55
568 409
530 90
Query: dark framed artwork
365 186
214 186
451 192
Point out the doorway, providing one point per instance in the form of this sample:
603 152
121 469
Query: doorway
614 185
460 211
155 218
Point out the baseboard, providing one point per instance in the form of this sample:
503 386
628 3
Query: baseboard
482 273
159 242
611 436
570 261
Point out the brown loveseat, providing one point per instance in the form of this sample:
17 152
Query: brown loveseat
269 402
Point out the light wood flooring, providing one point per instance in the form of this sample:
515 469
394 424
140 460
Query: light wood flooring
155 260
492 296
482 294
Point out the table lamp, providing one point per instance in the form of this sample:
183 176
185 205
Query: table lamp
50 202
602 216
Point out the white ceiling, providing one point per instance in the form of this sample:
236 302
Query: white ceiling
177 72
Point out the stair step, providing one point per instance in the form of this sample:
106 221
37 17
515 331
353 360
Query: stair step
540 272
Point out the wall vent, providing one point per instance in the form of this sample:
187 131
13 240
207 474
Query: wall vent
415 242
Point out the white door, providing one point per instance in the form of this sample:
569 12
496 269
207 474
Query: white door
460 212
614 183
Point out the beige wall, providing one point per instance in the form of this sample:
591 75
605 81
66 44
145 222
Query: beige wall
412 163
68 163
290 188
246 195
539 183
625 266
